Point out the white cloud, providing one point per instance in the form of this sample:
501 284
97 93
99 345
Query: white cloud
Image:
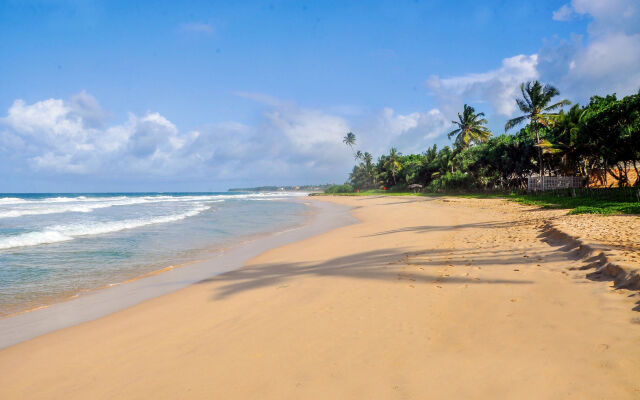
259 98
564 13
66 137
607 61
498 87
603 62
413 132
58 137
197 27
308 129
609 15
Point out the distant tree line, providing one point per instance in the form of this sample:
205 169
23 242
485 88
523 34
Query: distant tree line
601 138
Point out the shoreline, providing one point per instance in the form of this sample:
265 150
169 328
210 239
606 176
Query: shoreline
208 253
98 302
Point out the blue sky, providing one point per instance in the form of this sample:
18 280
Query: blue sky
195 95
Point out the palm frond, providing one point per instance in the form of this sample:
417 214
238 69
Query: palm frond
514 122
453 133
557 105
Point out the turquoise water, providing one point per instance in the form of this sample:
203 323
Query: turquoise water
54 246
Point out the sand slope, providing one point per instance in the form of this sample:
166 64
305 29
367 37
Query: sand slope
422 299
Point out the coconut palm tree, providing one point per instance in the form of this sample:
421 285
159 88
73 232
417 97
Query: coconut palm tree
392 164
535 104
566 141
367 158
349 140
470 128
369 167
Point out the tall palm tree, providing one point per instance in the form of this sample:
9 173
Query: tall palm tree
367 158
349 140
368 166
470 128
393 164
535 104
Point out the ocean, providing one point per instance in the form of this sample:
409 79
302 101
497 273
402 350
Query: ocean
56 246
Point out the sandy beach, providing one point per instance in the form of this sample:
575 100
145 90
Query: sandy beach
423 298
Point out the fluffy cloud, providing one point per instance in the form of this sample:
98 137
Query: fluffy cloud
497 87
604 61
56 138
564 13
608 15
607 61
410 133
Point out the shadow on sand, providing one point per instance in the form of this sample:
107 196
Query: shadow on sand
446 228
370 265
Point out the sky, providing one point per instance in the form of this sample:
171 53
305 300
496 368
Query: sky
100 96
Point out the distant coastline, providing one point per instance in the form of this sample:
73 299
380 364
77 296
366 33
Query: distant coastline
298 188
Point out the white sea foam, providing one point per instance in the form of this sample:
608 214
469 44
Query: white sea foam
61 233
13 207
43 208
11 200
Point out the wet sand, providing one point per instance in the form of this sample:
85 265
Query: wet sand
421 299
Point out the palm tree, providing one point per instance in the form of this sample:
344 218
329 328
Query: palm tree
392 163
349 140
368 166
566 143
535 106
470 128
358 155
367 158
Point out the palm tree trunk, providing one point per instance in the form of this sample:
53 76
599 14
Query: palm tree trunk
540 159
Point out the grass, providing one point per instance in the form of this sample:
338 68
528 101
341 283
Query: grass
575 205
580 205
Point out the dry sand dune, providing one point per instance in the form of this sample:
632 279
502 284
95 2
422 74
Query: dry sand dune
423 299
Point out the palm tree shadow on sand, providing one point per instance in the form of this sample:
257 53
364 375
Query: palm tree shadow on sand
371 265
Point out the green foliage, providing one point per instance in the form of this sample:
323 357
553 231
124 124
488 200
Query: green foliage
451 182
346 188
469 129
601 136
586 201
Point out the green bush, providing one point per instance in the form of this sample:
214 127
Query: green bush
346 188
451 181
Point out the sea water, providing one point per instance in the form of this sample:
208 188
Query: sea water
56 246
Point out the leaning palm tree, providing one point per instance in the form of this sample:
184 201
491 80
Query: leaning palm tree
535 104
470 128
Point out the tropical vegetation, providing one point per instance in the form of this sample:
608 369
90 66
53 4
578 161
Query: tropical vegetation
598 141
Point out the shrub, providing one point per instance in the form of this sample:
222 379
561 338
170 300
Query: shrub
346 188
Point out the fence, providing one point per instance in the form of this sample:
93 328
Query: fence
534 184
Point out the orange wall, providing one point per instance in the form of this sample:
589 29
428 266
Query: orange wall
611 181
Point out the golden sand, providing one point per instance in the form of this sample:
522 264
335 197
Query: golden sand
423 299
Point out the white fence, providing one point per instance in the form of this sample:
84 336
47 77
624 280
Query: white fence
554 182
